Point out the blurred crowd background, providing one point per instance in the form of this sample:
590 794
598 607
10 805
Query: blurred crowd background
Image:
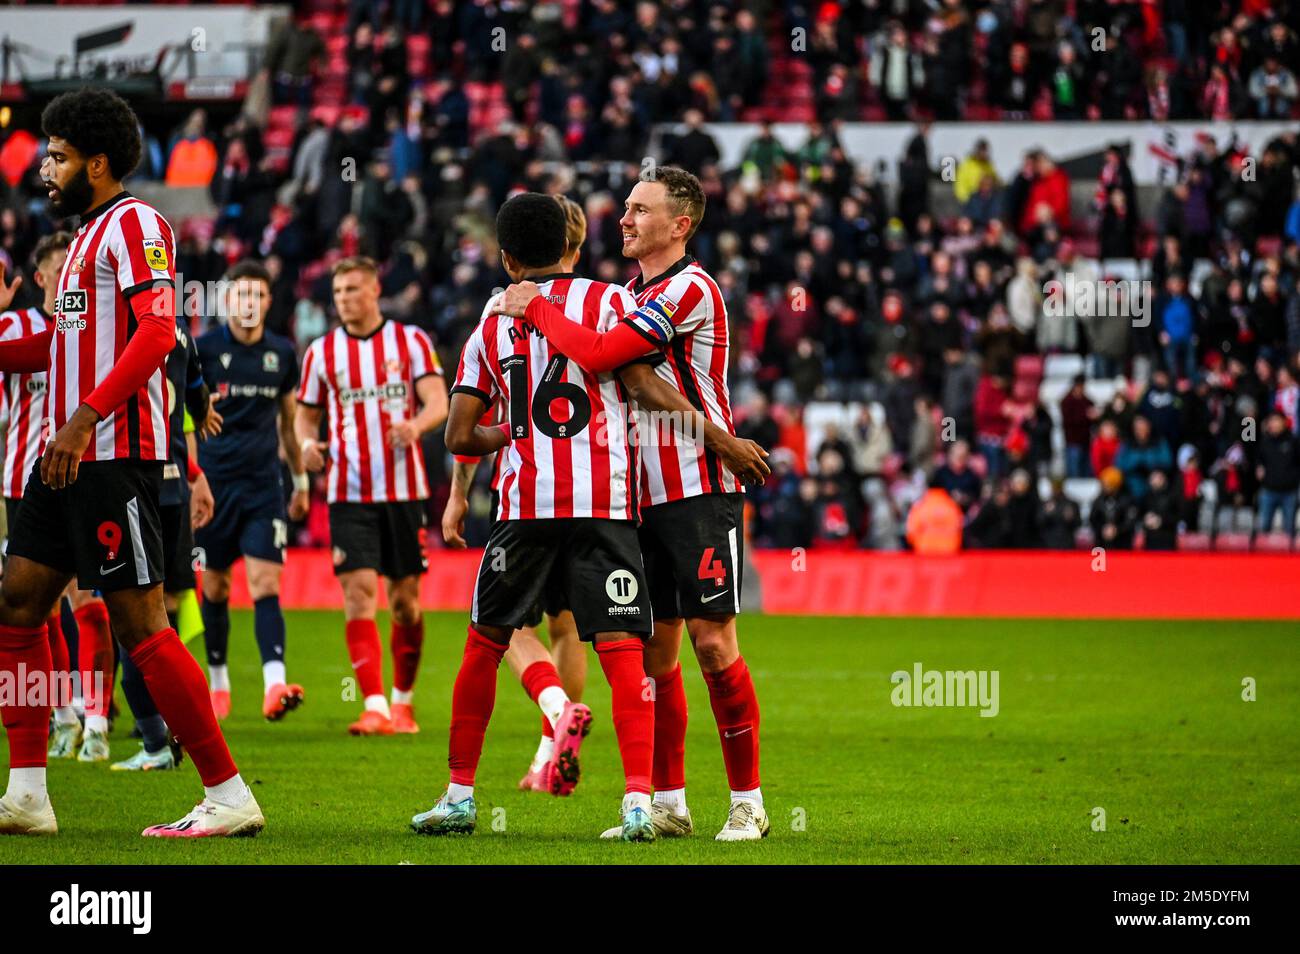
891 335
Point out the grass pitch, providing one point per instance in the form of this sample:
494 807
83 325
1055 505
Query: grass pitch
1142 719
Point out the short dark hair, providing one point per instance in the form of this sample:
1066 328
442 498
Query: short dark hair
96 121
685 194
249 268
55 242
531 229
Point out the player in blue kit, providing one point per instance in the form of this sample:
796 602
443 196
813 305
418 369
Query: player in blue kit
185 502
252 374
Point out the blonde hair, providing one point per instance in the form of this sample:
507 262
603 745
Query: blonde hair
575 224
355 263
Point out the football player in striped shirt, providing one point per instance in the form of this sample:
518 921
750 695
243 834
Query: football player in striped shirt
559 676
24 397
692 501
567 514
383 386
90 509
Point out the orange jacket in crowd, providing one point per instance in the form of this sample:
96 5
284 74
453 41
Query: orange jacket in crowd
193 162
934 524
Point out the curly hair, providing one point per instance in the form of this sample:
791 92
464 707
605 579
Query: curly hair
96 121
531 227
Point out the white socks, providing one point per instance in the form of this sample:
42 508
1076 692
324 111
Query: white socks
401 698
754 795
232 793
545 749
27 787
96 723
636 800
551 701
456 793
65 715
378 704
673 799
273 674
218 678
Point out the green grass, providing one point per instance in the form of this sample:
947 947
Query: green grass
1142 719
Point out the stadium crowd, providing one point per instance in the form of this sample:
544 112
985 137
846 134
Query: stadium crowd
928 330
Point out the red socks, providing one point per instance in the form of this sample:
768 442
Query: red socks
23 652
537 677
735 707
179 690
95 657
407 640
59 659
634 709
670 731
367 654
472 701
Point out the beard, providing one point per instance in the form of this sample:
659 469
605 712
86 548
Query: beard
75 197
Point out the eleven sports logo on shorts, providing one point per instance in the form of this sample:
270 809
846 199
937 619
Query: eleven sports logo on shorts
621 587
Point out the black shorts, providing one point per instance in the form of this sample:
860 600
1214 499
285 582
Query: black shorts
694 553
105 528
248 519
553 601
178 547
387 537
594 564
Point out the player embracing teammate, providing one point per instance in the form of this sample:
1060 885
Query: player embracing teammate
383 385
568 510
691 496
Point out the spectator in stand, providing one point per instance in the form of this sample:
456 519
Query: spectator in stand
1160 514
1077 415
1050 187
1113 514
896 71
1060 519
291 61
934 523
1118 227
955 477
1024 513
990 528
192 161
1278 473
995 416
1178 317
1273 89
972 171
1141 454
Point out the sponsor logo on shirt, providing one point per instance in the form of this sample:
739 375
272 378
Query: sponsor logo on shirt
155 254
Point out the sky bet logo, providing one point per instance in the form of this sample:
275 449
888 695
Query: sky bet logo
77 907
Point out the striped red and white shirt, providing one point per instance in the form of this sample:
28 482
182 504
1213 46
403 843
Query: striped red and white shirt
682 314
123 248
572 450
24 403
369 385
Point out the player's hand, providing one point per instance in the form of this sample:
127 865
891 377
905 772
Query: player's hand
213 423
403 434
202 505
63 454
514 300
7 292
744 458
453 521
299 504
312 457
